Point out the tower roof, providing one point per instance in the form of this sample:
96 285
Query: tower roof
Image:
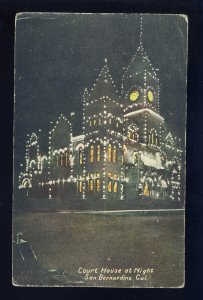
139 67
104 85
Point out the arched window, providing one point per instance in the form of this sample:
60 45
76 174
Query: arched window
116 124
109 186
114 154
91 153
80 156
115 187
109 152
98 152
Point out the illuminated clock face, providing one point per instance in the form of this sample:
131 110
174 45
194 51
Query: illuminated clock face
150 96
134 95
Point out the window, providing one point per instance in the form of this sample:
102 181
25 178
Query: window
95 122
61 159
99 122
109 152
135 158
98 185
115 187
91 185
91 153
156 140
98 152
66 159
114 154
90 123
80 186
109 182
116 124
110 121
153 137
109 186
80 156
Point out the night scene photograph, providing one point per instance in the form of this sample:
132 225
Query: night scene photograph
99 150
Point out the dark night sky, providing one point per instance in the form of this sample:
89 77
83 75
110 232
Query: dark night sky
58 55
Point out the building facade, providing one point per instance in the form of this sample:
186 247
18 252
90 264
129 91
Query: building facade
124 153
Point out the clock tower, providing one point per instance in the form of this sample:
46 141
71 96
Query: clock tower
140 94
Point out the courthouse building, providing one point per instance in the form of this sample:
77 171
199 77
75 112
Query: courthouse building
124 152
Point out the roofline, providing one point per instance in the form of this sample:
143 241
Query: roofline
133 113
78 138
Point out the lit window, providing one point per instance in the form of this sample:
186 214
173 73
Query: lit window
98 152
95 122
152 138
114 154
99 122
116 124
109 152
98 185
109 186
109 121
115 187
80 186
61 159
67 161
90 123
80 156
91 185
91 153
149 138
129 135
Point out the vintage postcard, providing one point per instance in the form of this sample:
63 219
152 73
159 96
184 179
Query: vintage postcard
99 150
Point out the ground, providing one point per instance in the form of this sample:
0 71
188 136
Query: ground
115 240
